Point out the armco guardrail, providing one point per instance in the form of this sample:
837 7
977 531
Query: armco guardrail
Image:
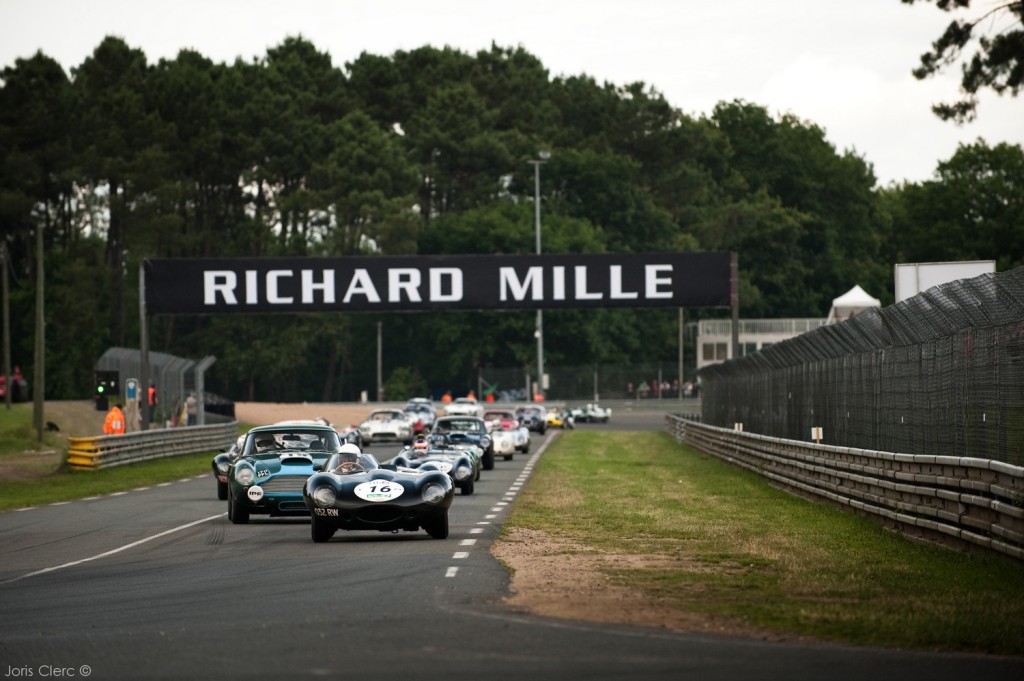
977 501
104 451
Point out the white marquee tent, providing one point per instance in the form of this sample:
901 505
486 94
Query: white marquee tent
851 303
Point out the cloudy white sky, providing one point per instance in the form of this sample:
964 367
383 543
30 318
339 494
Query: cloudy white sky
842 64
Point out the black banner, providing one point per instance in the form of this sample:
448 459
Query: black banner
439 282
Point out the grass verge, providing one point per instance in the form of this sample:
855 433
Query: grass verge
729 544
28 478
62 485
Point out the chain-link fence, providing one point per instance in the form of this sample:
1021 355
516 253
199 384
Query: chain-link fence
941 373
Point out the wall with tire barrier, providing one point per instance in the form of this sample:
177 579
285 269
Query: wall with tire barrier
957 500
105 451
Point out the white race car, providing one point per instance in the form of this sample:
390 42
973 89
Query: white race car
592 413
464 406
507 433
386 425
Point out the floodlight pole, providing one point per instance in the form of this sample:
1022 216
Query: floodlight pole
539 332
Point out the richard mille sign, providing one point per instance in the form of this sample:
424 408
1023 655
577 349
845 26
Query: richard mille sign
462 282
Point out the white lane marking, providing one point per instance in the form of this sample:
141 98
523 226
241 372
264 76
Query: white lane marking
117 550
497 509
476 530
60 503
490 517
459 555
117 494
467 542
483 523
452 571
165 484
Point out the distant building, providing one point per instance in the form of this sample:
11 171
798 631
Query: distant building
714 336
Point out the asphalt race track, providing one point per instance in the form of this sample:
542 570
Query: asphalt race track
156 583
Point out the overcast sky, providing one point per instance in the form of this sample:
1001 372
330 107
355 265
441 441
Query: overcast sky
844 65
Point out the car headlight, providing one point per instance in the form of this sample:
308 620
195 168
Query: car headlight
324 496
485 442
433 493
244 475
223 466
463 472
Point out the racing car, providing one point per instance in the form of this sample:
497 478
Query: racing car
222 462
464 406
354 492
461 465
386 424
463 431
591 413
534 417
273 465
507 433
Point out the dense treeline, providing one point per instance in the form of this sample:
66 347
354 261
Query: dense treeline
426 152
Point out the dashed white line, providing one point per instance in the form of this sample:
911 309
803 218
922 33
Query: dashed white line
452 571
467 542
117 550
459 555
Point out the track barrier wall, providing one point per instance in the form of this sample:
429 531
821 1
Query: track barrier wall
960 501
106 451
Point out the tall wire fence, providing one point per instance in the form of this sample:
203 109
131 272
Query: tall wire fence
941 373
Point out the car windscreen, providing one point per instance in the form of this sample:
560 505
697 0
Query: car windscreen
314 442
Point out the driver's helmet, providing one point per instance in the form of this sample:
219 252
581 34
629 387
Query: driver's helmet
264 443
349 453
420 444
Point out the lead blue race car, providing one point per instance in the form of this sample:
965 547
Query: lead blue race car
354 492
269 473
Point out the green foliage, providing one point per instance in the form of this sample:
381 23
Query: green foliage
428 151
404 383
998 62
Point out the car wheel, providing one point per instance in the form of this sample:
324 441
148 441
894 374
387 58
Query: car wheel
222 490
507 457
488 460
438 528
237 513
467 487
320 530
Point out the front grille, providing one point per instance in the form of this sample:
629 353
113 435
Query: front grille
284 483
380 514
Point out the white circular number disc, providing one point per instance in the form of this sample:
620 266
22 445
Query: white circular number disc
255 492
379 490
